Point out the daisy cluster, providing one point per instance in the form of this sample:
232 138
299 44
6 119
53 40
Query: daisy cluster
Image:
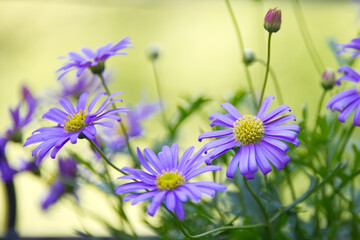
258 140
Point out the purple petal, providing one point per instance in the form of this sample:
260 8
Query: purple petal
217 133
232 110
170 201
155 203
264 107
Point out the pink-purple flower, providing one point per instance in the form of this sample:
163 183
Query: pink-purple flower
167 178
74 122
349 100
94 60
257 140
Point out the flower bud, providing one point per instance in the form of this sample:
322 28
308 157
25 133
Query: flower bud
272 21
154 51
328 79
248 56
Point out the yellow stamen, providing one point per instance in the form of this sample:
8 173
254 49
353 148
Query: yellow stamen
248 129
75 122
169 180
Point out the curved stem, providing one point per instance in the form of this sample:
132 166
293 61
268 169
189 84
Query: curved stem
241 48
261 207
158 89
220 229
123 128
267 69
104 157
300 19
275 80
290 183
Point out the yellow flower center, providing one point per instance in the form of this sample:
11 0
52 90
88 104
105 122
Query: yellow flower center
358 87
169 180
75 122
248 129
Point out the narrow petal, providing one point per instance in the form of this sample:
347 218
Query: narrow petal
264 106
170 201
217 133
244 161
155 203
81 104
232 110
234 163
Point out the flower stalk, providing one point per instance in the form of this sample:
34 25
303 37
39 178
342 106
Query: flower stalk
267 68
241 48
123 128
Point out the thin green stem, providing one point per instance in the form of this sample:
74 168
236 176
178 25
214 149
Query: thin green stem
104 157
241 48
262 208
220 229
267 69
290 183
346 140
318 114
158 89
123 128
300 19
275 80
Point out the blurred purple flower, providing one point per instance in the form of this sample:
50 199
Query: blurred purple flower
14 133
94 60
64 183
86 82
133 121
352 47
7 173
168 179
256 139
72 123
346 101
19 121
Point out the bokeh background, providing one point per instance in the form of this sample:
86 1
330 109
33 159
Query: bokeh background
199 55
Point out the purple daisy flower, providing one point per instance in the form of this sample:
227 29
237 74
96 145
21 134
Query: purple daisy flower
72 123
256 139
114 137
346 101
65 182
352 47
94 60
168 179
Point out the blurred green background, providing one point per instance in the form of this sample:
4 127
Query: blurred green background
200 55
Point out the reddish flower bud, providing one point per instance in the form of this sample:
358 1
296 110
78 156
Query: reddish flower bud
272 21
328 79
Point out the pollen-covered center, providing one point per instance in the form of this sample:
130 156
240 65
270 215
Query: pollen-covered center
169 180
75 122
248 129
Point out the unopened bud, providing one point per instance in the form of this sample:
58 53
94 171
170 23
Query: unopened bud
272 21
154 51
328 79
248 56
